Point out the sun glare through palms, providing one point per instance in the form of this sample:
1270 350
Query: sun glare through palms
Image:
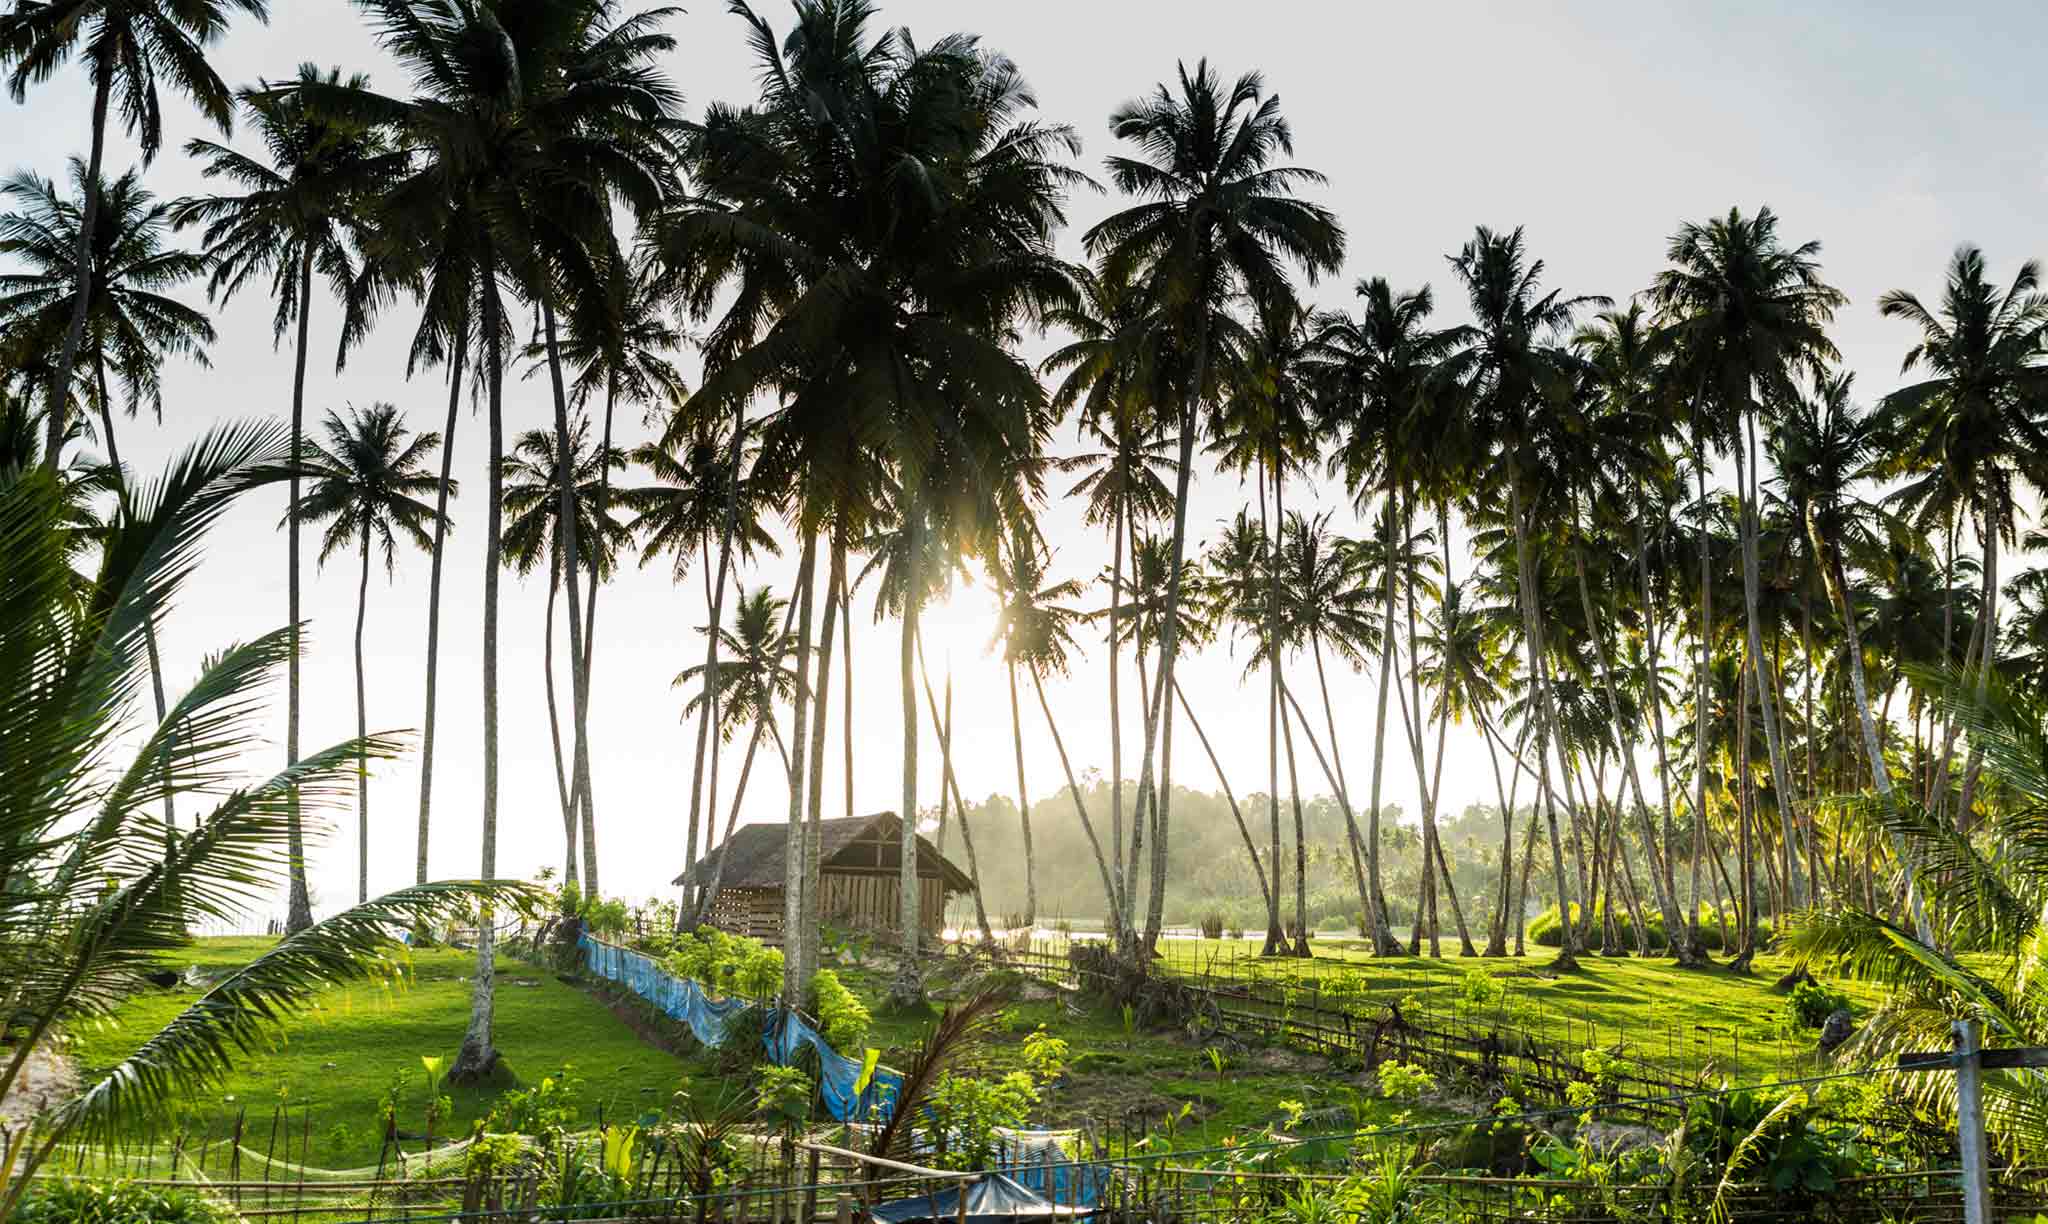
1280 616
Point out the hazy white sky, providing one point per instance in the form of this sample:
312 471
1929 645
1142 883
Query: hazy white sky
1889 131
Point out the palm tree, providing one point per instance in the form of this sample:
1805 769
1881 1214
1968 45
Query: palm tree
1036 631
617 338
534 536
1614 460
1744 314
1972 432
1113 372
1504 363
1266 426
1976 952
528 121
700 495
886 218
366 486
131 323
125 45
301 209
1215 217
1823 447
109 903
744 693
1375 370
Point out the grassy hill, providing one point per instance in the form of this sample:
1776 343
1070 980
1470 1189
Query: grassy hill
341 1059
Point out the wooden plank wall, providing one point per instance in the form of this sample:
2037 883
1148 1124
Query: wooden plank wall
853 899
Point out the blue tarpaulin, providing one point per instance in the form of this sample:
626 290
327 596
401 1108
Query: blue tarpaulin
787 1032
994 1199
1034 1158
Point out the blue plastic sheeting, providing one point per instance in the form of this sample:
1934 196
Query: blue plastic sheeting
995 1199
678 998
1034 1158
1038 1162
683 999
839 1076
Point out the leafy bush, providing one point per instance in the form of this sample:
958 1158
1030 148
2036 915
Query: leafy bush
1213 923
1811 1003
92 1202
1482 989
1543 929
1401 1081
841 1015
727 964
967 1111
548 1105
1045 1055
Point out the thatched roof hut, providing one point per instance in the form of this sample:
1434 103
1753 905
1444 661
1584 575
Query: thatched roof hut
859 859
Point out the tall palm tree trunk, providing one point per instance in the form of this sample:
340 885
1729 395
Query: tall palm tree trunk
478 1056
1161 711
810 917
1382 934
1880 773
362 734
434 594
799 740
583 797
1774 748
1625 742
1682 937
54 424
1116 724
299 911
690 912
1338 782
156 664
907 988
1987 619
571 879
949 784
1546 721
572 568
1700 678
1300 947
1024 804
1276 934
1059 744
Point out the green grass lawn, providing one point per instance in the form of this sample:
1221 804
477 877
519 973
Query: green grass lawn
339 1059
1707 1022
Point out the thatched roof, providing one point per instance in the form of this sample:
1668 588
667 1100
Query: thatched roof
859 845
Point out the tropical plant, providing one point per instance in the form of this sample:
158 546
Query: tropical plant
125 45
366 485
1215 217
92 906
527 123
304 208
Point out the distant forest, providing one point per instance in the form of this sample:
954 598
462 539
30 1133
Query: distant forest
1212 874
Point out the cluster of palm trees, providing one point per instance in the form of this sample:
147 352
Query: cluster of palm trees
1666 668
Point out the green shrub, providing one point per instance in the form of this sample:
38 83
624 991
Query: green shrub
1401 1081
1543 929
92 1202
548 1105
1811 1003
967 1111
842 1017
727 964
1213 923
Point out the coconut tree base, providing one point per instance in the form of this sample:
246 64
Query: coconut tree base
476 1063
1564 962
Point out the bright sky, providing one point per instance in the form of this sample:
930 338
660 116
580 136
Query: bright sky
1889 131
